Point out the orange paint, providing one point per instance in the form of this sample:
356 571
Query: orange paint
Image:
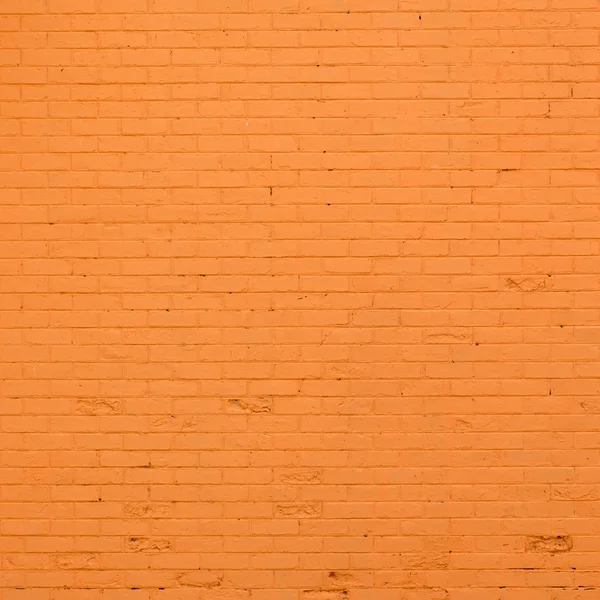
300 299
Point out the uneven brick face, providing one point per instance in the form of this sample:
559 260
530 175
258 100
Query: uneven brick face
299 299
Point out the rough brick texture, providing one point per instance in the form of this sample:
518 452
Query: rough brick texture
300 299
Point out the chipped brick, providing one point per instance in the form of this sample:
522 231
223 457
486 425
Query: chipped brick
145 544
298 510
249 405
98 406
552 544
144 510
200 579
299 476
83 560
425 560
526 284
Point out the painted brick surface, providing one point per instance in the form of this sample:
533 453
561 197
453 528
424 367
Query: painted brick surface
300 299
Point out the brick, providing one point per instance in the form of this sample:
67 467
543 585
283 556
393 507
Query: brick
30 7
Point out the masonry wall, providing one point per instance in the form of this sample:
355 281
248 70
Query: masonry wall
300 299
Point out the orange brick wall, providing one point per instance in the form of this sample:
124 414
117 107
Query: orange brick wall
300 300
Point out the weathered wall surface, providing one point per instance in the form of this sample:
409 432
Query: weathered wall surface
300 299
